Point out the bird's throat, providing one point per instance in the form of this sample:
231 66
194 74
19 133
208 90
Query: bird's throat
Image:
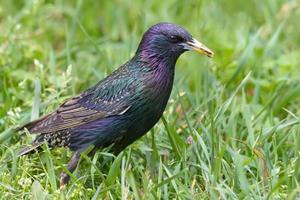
160 81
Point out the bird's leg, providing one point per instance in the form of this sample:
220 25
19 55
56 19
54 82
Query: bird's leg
64 177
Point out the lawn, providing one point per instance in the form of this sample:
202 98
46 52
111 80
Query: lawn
230 130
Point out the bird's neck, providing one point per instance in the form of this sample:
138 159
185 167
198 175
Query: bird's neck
158 60
158 78
160 68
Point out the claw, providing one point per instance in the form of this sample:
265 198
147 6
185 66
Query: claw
64 179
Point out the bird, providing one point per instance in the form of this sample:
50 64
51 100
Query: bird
122 107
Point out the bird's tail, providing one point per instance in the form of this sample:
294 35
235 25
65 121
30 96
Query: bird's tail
23 151
29 149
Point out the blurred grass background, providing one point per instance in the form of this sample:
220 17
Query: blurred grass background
230 130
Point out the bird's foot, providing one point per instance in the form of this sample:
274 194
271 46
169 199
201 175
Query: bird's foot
64 179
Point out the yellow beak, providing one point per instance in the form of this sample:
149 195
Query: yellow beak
200 48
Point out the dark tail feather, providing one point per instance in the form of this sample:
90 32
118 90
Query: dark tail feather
24 151
29 149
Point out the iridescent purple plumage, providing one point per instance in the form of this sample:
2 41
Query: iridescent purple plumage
123 106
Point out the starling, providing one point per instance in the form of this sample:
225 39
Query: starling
123 106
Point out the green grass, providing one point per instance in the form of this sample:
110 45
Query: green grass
230 130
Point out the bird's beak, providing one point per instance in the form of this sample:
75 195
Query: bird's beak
199 47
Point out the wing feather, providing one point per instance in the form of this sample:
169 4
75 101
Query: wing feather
69 116
109 97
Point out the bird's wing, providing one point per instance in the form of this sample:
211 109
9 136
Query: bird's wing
70 114
101 101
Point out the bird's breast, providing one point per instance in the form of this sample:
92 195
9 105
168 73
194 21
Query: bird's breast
152 98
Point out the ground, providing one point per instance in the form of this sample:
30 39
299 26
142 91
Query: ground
231 127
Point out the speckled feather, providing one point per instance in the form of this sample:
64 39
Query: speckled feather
123 106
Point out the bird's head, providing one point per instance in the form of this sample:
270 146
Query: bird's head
167 41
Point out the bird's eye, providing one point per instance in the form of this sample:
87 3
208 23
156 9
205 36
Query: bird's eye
176 38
